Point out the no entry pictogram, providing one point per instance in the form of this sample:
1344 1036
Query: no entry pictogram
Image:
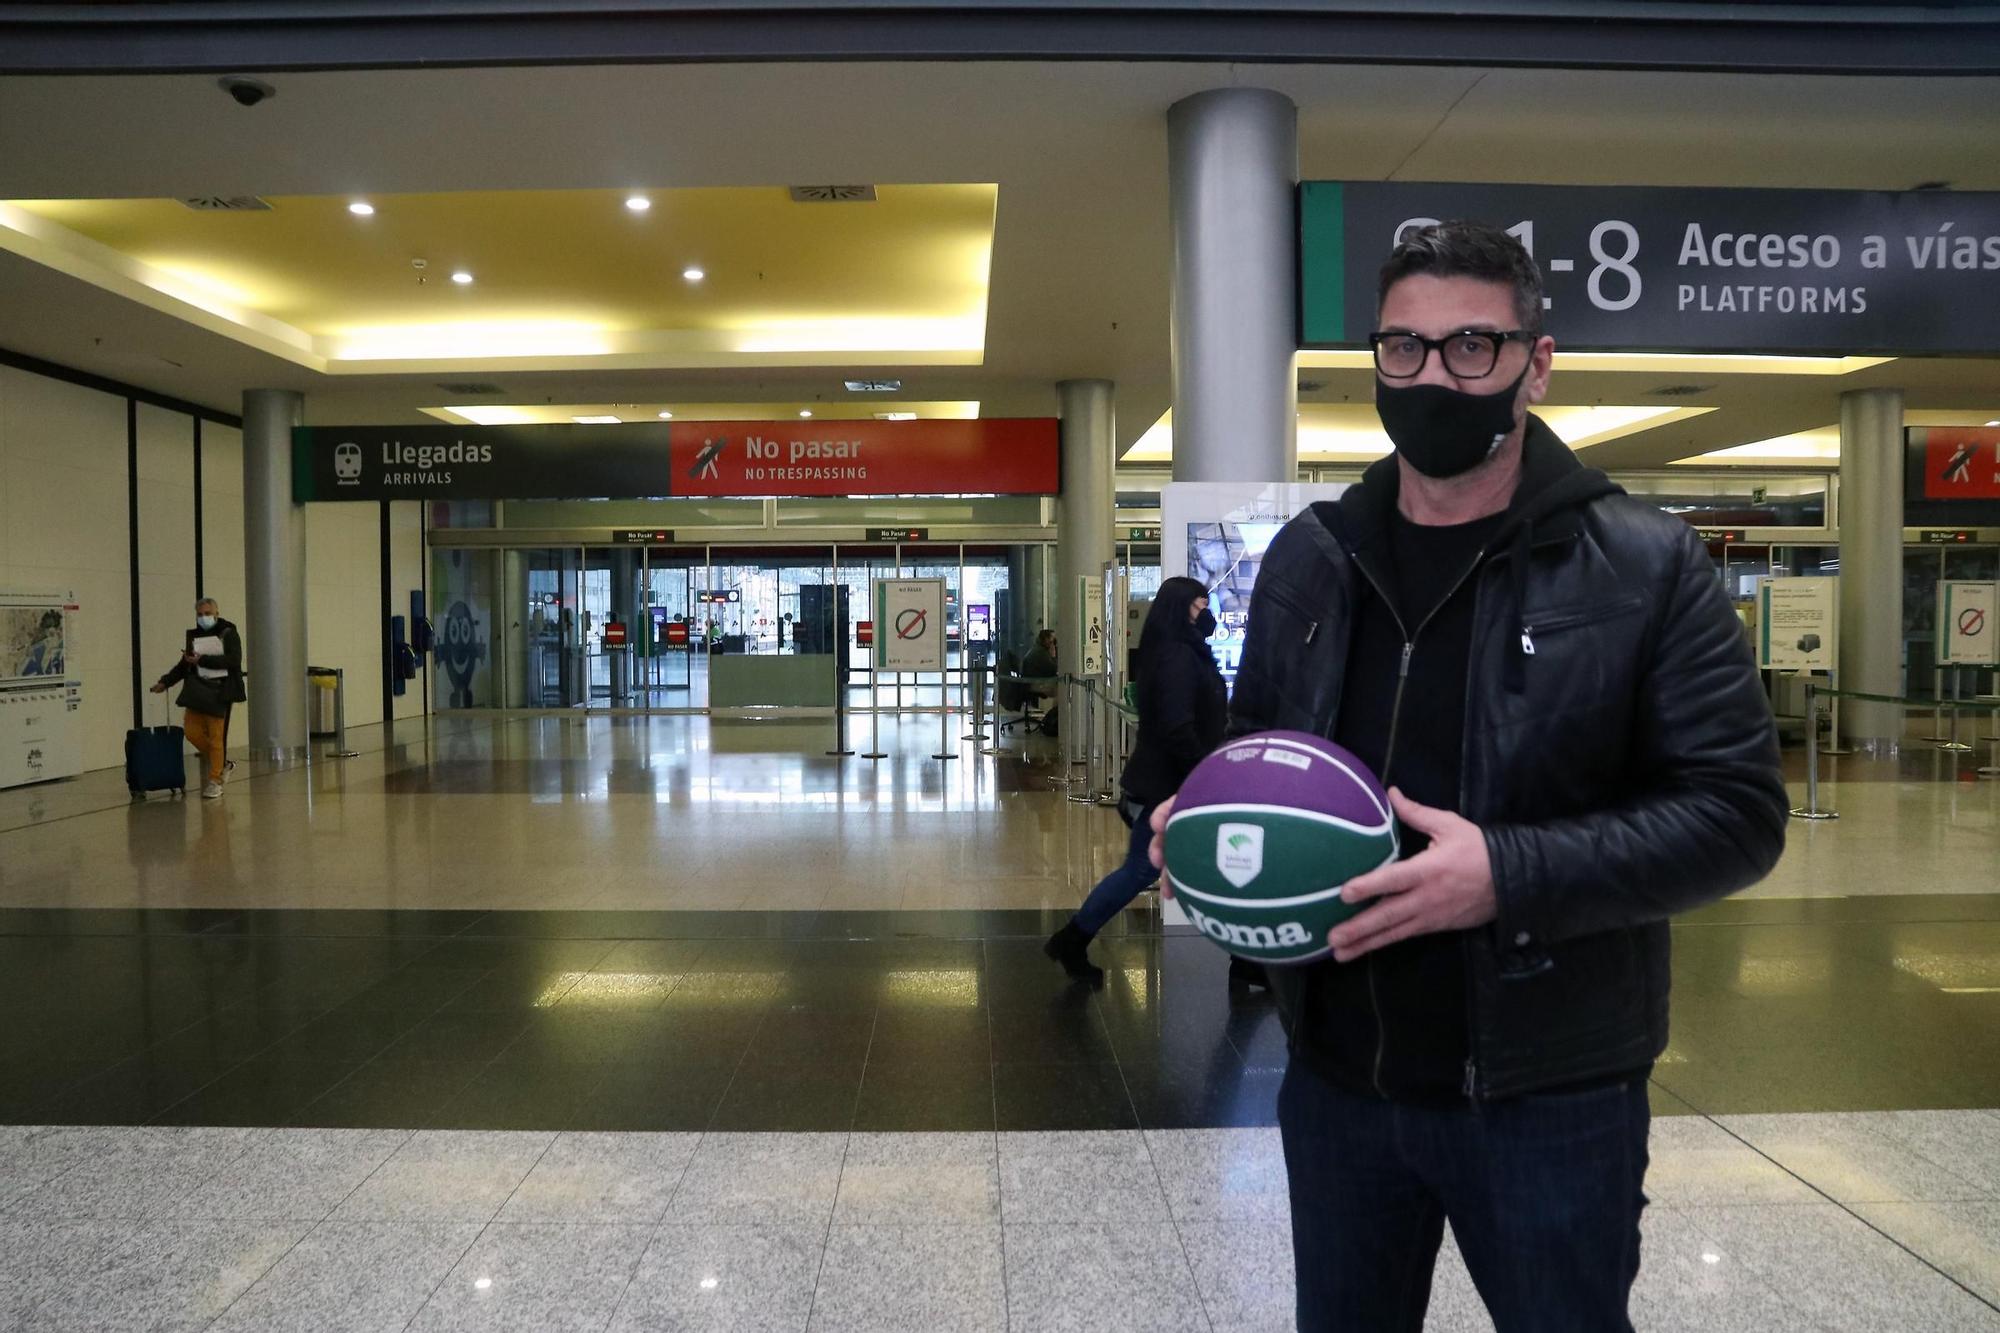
1972 622
910 623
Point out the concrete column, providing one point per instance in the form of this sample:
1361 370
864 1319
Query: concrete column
1232 172
1871 563
1083 526
274 559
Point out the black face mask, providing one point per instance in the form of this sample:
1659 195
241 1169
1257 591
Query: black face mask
1441 431
1204 624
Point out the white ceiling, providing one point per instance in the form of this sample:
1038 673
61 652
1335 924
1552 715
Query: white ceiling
1081 255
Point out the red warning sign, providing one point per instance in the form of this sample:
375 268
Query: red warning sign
864 632
677 634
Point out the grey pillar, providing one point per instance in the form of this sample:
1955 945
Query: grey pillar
1083 526
1232 172
274 558
1871 562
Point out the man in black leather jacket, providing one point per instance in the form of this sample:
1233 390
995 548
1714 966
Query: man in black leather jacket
1550 678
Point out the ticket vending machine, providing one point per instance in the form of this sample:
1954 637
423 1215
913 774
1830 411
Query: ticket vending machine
41 727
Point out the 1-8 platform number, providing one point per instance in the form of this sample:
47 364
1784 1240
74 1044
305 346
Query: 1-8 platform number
1617 267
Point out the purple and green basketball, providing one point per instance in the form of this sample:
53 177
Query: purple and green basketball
1263 835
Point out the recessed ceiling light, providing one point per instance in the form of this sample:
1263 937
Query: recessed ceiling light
595 421
1993 423
666 416
693 274
361 209
462 278
805 411
638 203
895 416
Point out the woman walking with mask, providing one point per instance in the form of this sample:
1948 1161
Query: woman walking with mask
210 674
1183 706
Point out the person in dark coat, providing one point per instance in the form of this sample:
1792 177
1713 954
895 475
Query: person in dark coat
210 674
1183 708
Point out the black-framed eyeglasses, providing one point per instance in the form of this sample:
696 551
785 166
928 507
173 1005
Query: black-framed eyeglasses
1469 354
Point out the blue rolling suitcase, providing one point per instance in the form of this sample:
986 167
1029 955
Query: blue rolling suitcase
155 760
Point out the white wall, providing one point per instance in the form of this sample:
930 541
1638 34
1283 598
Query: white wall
63 507
343 601
408 570
166 539
222 518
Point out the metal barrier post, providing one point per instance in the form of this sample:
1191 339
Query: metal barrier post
976 675
340 750
874 719
1991 768
840 745
1937 707
1833 745
1811 808
1088 782
1951 742
944 725
1107 776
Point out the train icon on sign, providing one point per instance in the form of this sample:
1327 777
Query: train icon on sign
347 464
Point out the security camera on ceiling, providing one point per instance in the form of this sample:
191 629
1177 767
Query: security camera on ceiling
247 91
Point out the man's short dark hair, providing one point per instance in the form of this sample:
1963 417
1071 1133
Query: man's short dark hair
1462 249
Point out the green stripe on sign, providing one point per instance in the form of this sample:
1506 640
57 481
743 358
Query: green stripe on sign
1764 624
302 465
1322 264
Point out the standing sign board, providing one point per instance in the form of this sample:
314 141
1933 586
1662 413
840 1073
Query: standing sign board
1117 651
1795 624
1090 623
911 614
1657 269
1966 632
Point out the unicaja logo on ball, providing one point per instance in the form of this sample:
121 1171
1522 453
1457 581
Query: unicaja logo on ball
1239 852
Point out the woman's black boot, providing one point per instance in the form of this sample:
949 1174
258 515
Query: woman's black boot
1069 946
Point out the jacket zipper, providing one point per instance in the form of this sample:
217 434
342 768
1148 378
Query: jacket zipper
1388 762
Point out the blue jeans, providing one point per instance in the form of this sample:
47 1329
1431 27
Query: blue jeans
1543 1193
1125 883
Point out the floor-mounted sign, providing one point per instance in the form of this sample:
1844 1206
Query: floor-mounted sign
1795 624
1967 634
651 460
911 614
1659 269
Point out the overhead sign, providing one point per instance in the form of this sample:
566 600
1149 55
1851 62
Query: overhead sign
1660 269
1151 534
649 460
1951 475
1727 535
1795 625
642 536
1967 630
911 614
899 534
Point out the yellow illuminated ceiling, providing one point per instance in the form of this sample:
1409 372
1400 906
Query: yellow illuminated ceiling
560 279
1351 432
543 414
1819 446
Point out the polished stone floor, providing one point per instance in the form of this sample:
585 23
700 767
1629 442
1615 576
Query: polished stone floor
551 1021
1764 1223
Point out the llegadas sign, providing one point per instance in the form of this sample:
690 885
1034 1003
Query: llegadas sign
642 460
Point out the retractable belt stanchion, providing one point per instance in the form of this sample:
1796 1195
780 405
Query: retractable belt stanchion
944 720
1107 772
977 676
1833 745
1811 810
1991 768
874 718
1938 735
840 745
1951 741
1087 783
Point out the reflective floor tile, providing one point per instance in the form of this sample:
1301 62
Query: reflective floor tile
790 1098
1694 1160
740 1179
1243 1270
1221 1174
1962 1239
743 1279
679 1096
536 1279
38 1260
1845 1156
352 1277
918 1094
268 1090
1062 1097
603 1178
1840 1272
1200 1094
1079 1177
134 1174
911 1280
910 1179
1128 1275
167 1276
301 1174
388 1096
1688 1280
446 1176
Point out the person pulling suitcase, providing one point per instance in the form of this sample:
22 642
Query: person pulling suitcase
210 674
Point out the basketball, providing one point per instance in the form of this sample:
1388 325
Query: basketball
1263 835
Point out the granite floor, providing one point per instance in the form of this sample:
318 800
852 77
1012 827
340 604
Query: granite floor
1792 1222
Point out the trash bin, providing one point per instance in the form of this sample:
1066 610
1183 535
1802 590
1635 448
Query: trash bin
322 701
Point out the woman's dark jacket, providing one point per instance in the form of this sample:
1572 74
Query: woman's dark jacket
1183 711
